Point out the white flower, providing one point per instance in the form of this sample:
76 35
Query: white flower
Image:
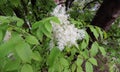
65 34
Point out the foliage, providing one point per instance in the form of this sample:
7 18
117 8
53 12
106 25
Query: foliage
20 49
28 10
112 45
27 49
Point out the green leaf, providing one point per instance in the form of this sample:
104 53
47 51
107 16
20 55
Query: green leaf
19 21
66 70
9 20
83 44
100 32
4 19
64 62
93 61
45 21
85 54
48 27
88 67
53 55
44 27
96 34
9 46
39 35
3 27
94 49
31 39
105 35
51 69
73 67
13 64
102 50
36 56
55 19
86 38
27 68
79 62
24 52
47 33
16 3
1 35
37 25
59 67
79 69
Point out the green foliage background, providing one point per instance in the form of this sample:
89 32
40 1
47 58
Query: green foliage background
27 50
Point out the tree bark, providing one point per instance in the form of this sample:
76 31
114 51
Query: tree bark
107 13
105 16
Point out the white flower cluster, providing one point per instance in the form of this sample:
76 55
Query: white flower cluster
64 34
60 12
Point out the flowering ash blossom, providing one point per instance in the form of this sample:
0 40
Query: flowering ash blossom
64 34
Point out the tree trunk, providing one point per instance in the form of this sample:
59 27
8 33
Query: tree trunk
105 16
107 13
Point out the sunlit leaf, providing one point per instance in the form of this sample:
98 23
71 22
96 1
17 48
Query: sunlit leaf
48 26
47 33
31 39
19 21
4 19
94 49
1 35
53 55
86 38
39 35
93 61
9 46
24 52
100 32
37 25
13 64
79 69
105 35
79 62
55 19
85 54
88 67
73 67
96 34
64 62
27 68
102 50
83 44
36 56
